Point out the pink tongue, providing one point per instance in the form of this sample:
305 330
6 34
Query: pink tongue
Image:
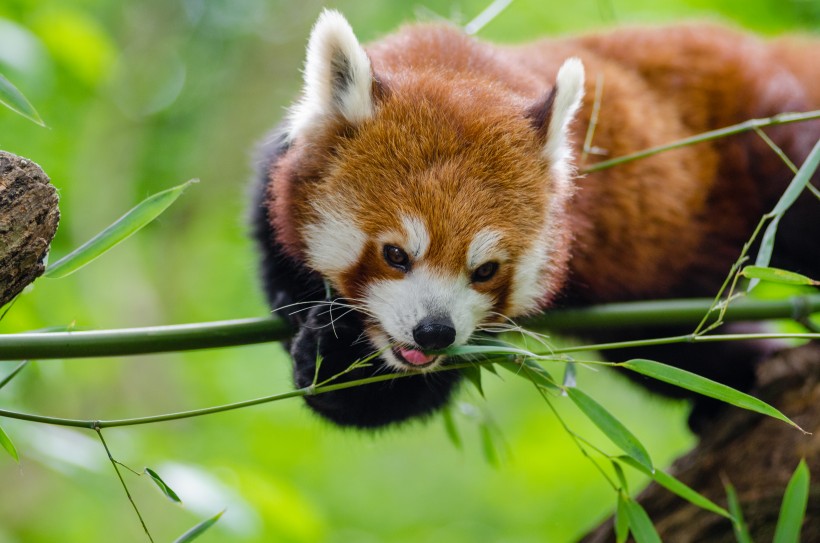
417 358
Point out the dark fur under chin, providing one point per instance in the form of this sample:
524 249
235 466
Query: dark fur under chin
364 406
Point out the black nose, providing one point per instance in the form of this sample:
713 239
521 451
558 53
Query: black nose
434 333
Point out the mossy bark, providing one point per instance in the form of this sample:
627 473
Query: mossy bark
756 454
28 221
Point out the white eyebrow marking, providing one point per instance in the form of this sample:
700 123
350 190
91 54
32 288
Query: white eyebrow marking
418 240
485 247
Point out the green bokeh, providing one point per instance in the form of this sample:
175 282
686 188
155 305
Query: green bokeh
143 95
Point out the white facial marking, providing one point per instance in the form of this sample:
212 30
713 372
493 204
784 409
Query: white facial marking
399 305
536 267
333 242
486 246
418 240
569 91
338 77
527 288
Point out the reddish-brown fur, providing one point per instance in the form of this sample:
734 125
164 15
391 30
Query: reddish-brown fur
669 225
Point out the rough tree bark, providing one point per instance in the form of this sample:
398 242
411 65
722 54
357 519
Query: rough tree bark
28 221
756 454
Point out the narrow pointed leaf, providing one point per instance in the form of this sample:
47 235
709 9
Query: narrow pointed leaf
162 486
621 520
704 386
793 508
799 182
13 99
451 428
673 485
5 441
639 523
487 444
775 275
197 530
619 472
123 228
473 374
487 349
739 523
797 185
533 372
611 427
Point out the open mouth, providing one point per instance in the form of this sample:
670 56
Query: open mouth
414 358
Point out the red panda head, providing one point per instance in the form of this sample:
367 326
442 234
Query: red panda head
431 199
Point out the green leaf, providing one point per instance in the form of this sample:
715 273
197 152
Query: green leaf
677 487
739 524
488 445
473 374
799 182
621 520
619 472
197 530
533 372
793 508
792 192
450 427
5 441
639 522
13 99
130 223
611 427
463 350
162 486
704 386
775 275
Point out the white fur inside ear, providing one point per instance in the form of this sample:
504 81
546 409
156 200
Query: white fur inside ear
569 91
338 78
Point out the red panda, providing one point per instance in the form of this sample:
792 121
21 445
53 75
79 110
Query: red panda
428 183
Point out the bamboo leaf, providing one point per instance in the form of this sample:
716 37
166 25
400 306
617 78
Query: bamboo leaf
5 441
621 520
797 185
197 530
619 472
123 228
793 508
13 99
674 485
450 427
488 445
462 350
473 374
739 523
706 387
533 372
639 522
775 275
799 181
162 486
612 427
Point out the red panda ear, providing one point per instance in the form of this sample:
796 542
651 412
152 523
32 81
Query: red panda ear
338 78
552 116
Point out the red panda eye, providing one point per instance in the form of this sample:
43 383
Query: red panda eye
397 258
485 272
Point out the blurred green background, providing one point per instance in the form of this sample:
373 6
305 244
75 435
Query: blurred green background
142 95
